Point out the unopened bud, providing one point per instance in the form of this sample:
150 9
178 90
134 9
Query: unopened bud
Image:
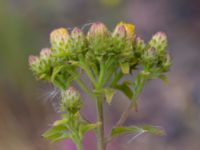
139 44
98 29
129 28
45 52
59 36
150 54
71 101
33 59
159 41
76 33
167 62
120 31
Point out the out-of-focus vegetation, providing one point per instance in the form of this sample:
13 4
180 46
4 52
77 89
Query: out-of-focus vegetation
24 112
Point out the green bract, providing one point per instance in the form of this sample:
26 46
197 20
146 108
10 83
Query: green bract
105 57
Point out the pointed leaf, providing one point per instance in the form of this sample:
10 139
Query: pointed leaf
87 127
125 67
122 130
154 130
109 93
135 129
164 79
125 89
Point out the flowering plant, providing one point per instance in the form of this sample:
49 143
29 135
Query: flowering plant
106 58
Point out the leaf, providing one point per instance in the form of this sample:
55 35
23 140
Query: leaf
56 134
87 127
109 93
56 70
125 89
164 79
125 67
122 130
154 130
135 129
58 131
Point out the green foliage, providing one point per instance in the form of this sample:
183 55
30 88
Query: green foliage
137 129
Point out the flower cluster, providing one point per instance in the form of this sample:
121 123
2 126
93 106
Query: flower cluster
105 57
100 45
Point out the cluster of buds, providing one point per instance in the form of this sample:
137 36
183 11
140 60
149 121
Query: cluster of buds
71 101
100 44
41 65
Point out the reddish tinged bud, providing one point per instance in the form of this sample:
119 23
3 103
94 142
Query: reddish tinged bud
76 32
71 101
98 29
120 31
139 43
129 29
33 59
45 52
159 41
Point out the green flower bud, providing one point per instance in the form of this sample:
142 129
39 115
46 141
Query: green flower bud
33 60
59 38
76 33
139 44
159 41
71 101
45 53
167 62
97 29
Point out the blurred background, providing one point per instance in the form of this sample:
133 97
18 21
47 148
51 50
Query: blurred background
28 107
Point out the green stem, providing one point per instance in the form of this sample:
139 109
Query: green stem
79 145
100 130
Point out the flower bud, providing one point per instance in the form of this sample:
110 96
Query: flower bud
167 62
139 44
58 37
159 41
129 28
33 59
120 31
45 53
76 33
98 29
150 54
71 101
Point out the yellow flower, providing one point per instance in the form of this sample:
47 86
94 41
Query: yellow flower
130 29
59 36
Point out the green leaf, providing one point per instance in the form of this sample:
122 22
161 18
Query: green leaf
87 127
125 67
135 129
125 89
122 130
109 93
56 70
154 130
58 131
164 79
56 134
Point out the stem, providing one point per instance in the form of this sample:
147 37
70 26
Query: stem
100 129
79 145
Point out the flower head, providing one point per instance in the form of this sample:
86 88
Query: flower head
58 37
76 33
33 59
45 52
159 41
129 28
98 29
71 101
